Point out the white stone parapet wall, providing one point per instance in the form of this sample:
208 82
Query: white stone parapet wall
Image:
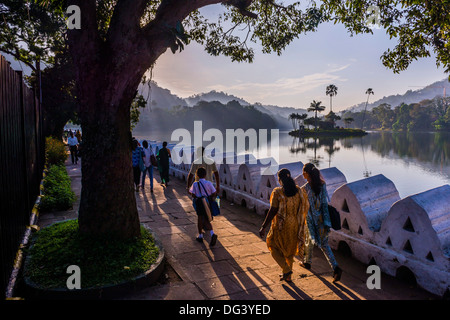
378 227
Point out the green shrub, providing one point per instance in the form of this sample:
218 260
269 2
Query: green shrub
57 193
102 259
55 151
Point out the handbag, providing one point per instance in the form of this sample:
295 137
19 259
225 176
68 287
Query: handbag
335 217
153 160
215 210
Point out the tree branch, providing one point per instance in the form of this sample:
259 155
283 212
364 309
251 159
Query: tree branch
16 55
242 6
125 21
85 43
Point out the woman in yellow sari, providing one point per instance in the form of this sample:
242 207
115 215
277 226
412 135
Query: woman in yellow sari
288 208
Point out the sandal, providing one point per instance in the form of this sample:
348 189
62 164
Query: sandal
286 276
337 274
305 265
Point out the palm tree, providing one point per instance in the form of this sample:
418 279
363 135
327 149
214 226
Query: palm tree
348 121
301 118
368 92
293 118
316 107
331 91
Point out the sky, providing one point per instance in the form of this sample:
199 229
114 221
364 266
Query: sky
301 74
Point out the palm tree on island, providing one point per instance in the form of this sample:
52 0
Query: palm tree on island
348 120
301 118
368 92
293 118
331 91
316 106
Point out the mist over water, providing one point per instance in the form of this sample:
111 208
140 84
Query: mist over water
414 162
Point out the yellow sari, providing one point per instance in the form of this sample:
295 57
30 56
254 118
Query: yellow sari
286 234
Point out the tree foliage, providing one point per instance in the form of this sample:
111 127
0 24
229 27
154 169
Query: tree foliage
427 115
420 27
30 32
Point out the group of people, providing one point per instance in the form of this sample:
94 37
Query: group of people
299 219
298 216
143 161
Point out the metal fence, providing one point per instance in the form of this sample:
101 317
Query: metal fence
21 162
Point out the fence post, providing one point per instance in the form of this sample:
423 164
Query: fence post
24 137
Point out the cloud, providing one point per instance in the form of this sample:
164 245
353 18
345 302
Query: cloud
284 86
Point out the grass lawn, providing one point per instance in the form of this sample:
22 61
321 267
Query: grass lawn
102 261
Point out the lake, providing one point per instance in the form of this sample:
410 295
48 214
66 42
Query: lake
414 162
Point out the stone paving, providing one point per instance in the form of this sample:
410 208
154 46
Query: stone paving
239 266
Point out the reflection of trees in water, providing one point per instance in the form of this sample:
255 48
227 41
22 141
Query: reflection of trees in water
297 145
431 148
366 172
304 144
330 148
428 148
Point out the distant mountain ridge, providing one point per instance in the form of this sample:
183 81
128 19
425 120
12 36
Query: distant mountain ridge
411 96
214 95
164 99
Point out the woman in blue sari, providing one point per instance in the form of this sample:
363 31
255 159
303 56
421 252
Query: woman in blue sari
317 220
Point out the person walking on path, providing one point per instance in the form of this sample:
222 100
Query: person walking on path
200 189
163 156
210 167
317 220
148 165
73 147
288 208
78 135
137 156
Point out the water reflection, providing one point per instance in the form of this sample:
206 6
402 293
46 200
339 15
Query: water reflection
415 162
428 150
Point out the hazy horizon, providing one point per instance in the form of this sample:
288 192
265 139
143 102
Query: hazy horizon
301 74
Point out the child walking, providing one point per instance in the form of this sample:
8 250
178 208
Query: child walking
199 190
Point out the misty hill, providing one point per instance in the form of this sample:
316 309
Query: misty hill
213 95
411 96
164 99
159 97
213 114
281 114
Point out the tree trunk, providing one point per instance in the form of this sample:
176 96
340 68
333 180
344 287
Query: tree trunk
108 72
315 122
108 203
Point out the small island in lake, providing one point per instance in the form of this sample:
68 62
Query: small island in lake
335 132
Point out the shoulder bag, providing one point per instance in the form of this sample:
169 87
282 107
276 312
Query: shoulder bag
215 211
335 217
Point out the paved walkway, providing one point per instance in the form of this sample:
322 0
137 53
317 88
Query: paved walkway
240 265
